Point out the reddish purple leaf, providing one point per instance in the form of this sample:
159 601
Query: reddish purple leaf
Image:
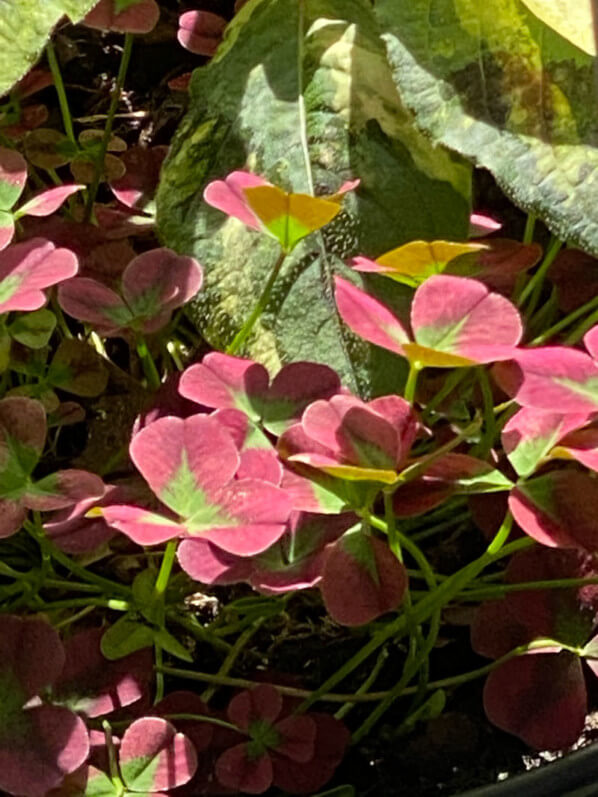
591 342
369 318
123 16
180 458
539 697
39 744
200 31
190 465
13 176
551 377
529 436
91 301
362 579
140 525
31 655
209 564
558 509
154 757
481 225
236 769
63 488
35 80
12 517
157 282
27 268
575 275
153 285
24 421
72 531
263 702
460 316
499 264
200 733
136 189
91 685
7 230
48 743
226 382
227 195
581 445
331 741
449 475
49 201
351 439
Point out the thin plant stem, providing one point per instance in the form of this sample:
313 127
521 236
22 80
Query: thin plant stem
534 286
47 546
498 590
165 570
233 655
458 519
258 309
391 525
423 610
589 306
114 604
359 697
530 226
67 119
419 468
74 617
363 689
101 155
451 382
483 448
112 763
148 364
411 384
158 595
581 329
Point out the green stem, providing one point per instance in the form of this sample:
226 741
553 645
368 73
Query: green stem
74 603
450 383
534 287
391 526
498 590
112 762
60 90
423 610
363 689
589 306
47 546
116 95
149 366
361 697
258 309
157 600
411 384
233 655
582 328
459 518
419 468
165 570
203 718
483 448
530 225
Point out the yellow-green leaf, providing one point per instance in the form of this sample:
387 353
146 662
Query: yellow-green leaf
572 19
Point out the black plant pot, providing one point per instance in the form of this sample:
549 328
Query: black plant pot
575 775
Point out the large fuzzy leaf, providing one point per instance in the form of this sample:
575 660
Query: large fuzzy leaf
336 117
494 82
25 26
